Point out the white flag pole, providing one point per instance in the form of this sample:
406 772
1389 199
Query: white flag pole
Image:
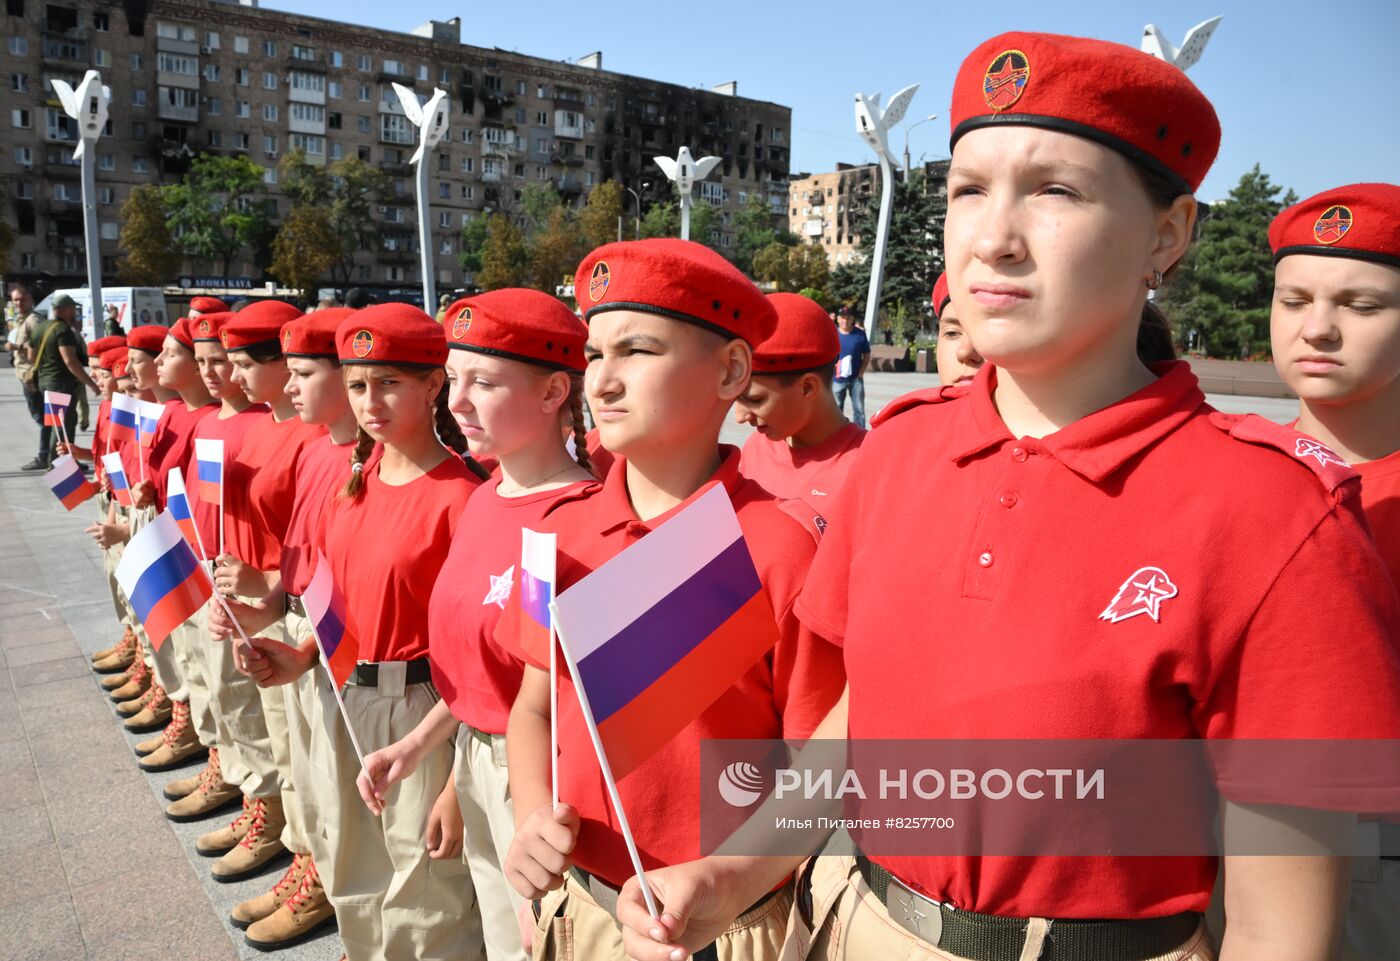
340 702
176 473
603 763
553 708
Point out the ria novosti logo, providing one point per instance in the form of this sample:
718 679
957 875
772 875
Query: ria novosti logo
741 784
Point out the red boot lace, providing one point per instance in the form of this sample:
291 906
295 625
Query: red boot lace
292 879
179 720
212 775
256 814
303 891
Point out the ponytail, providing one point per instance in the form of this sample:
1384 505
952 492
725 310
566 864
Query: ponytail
450 433
364 446
580 430
1154 336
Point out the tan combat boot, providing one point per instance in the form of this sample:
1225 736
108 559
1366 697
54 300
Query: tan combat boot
299 917
180 742
121 658
212 795
222 840
111 682
260 846
154 716
185 785
255 909
126 645
138 682
134 706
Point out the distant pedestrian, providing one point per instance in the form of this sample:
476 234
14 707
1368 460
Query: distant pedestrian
850 366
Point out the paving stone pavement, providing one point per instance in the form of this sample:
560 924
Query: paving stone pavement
89 865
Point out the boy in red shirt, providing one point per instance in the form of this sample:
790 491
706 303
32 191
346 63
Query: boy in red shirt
1335 329
958 360
671 326
803 445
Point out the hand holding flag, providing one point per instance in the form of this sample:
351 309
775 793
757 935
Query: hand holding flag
55 410
124 418
178 504
67 482
325 610
116 477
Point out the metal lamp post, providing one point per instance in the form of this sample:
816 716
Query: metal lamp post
873 124
685 172
88 106
638 198
431 121
932 116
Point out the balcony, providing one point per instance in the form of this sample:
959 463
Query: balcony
65 48
568 103
569 186
396 168
494 177
177 113
498 148
497 98
566 159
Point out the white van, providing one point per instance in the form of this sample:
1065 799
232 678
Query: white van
135 306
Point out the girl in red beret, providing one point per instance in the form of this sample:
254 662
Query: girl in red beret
385 536
515 366
958 360
1335 329
1058 552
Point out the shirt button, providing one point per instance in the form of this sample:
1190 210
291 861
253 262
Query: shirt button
985 559
1009 500
1019 454
637 528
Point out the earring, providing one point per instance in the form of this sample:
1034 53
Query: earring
1155 280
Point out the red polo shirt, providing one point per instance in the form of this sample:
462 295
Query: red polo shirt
475 675
980 586
173 442
322 469
786 694
99 437
809 474
386 548
1380 499
237 512
270 450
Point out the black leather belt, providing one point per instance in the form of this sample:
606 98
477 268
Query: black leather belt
990 937
367 675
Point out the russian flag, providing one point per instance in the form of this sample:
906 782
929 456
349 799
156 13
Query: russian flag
209 462
325 609
178 504
657 634
123 420
55 406
148 419
67 482
537 554
162 578
116 474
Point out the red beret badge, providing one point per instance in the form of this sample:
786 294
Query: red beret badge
362 344
598 282
1006 79
462 322
1333 225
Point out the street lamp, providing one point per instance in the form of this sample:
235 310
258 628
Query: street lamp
637 197
431 121
873 124
932 116
685 171
88 106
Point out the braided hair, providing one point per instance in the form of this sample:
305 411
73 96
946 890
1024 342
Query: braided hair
580 429
364 446
450 433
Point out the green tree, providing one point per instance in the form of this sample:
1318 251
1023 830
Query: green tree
792 269
349 189
305 249
598 219
664 220
555 251
537 203
773 265
1219 296
211 210
149 257
504 257
474 234
913 256
754 230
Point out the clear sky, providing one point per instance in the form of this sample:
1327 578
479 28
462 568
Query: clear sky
1307 88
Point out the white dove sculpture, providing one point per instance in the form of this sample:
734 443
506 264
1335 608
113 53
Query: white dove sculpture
874 124
686 172
430 118
1184 57
87 105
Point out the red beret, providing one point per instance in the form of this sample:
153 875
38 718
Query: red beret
520 324
207 327
108 358
940 295
181 331
208 305
258 325
1125 99
1361 221
314 334
679 279
96 347
148 337
804 339
395 335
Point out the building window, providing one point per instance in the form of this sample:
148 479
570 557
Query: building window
270 112
242 77
19 46
363 62
211 40
101 22
395 129
270 176
240 44
300 52
468 192
21 118
467 135
24 190
175 31
334 89
19 82
102 58
28 262
269 48
445 219
138 130
394 68
308 113
214 106
364 93
24 156
337 58
423 72
362 123
244 110
589 178
542 118
138 165
336 151
313 82
468 165
445 76
313 146
174 63
541 91
240 141
212 72
445 245
270 144
444 191
333 121
269 80
137 64
519 114
107 196
108 230
216 138
520 88
106 161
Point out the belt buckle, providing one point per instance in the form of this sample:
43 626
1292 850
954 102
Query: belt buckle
920 916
